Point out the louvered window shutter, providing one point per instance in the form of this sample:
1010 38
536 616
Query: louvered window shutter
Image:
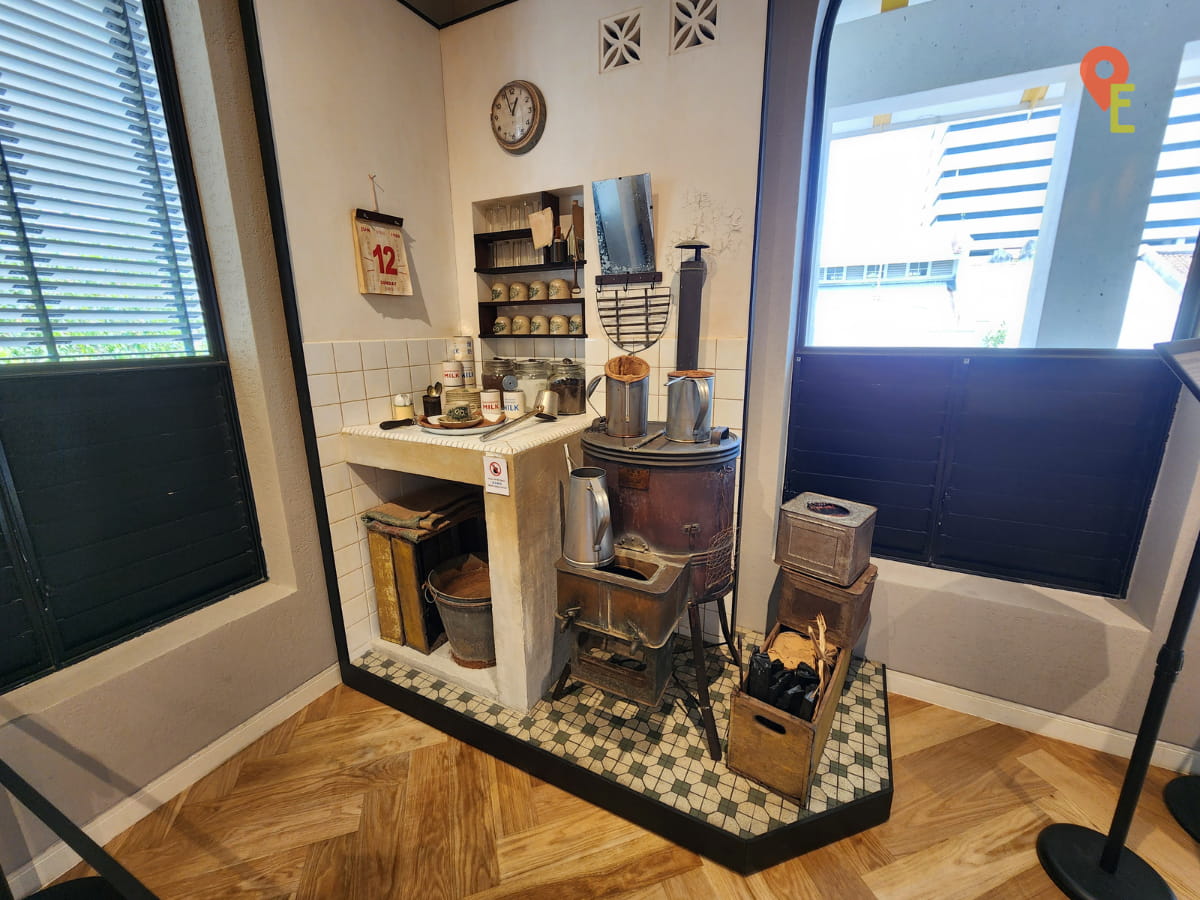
124 490
95 260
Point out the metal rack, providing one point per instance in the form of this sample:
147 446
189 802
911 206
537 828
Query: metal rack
633 308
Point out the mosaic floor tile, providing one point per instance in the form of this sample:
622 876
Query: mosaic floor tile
661 752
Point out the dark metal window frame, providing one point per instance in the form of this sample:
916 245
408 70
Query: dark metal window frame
19 544
1186 325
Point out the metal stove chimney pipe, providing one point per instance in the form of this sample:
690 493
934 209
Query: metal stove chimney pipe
691 283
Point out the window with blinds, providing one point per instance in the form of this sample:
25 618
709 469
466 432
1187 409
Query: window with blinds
125 499
95 261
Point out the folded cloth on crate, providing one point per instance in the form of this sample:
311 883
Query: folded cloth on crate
424 512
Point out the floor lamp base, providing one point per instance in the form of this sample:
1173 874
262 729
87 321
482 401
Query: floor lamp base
1070 854
1183 800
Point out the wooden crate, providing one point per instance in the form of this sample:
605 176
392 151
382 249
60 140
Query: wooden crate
825 537
775 748
802 597
400 567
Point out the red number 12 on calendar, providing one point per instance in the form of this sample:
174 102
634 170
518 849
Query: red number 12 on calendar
385 258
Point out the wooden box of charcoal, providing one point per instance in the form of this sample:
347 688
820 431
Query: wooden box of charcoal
778 723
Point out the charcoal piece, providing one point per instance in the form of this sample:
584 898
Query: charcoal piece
806 676
808 706
792 700
758 682
780 686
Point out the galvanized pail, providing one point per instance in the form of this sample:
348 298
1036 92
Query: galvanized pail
462 589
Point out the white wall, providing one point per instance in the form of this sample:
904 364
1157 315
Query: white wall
96 733
1068 653
691 120
356 90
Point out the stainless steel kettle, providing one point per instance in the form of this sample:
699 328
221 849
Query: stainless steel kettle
588 542
626 395
689 406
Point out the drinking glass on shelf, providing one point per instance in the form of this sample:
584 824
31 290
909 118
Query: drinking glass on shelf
526 209
499 216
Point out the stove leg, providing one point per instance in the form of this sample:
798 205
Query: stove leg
728 632
561 684
706 713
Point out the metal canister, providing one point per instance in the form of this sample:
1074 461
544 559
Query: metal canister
462 346
568 379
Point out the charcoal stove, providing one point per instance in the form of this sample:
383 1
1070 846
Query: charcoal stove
672 520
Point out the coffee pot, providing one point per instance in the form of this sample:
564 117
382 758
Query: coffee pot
689 406
588 542
626 395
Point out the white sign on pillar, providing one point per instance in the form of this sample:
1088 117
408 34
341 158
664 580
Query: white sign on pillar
495 475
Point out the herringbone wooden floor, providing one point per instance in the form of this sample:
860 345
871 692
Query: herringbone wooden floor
350 799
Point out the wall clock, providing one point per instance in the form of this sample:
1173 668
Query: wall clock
518 116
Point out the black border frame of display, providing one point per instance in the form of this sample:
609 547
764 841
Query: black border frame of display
743 855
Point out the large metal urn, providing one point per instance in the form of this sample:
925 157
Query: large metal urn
673 498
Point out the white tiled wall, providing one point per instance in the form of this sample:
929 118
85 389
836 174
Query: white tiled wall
352 383
522 348
726 357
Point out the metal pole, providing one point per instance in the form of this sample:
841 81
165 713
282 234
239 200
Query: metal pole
93 854
1170 662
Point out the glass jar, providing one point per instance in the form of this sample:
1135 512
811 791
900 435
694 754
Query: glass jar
567 379
493 373
533 375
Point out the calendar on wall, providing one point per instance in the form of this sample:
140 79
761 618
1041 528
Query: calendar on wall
379 253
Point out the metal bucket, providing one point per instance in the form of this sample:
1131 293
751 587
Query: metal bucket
461 588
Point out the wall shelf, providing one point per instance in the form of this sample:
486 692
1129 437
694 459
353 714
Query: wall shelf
519 337
561 202
537 267
573 301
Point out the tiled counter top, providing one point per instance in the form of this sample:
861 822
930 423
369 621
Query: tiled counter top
524 529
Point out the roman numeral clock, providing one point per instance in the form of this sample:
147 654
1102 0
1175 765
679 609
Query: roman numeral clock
518 116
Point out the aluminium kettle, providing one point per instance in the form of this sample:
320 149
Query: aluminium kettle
588 542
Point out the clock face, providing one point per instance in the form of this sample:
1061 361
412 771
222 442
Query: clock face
518 116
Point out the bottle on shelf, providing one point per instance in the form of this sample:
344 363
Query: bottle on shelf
558 246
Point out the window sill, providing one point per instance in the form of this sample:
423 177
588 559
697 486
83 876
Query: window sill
1020 597
58 687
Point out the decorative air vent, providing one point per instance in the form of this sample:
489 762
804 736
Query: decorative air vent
620 40
693 24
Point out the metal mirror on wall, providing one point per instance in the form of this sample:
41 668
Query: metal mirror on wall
633 308
624 229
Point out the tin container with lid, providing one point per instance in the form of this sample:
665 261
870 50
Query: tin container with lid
568 379
825 537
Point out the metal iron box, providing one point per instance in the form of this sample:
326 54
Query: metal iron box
825 537
802 598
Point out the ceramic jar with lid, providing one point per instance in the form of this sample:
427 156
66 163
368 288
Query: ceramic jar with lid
538 291
502 325
499 291
518 292
520 324
559 289
558 324
539 325
575 324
